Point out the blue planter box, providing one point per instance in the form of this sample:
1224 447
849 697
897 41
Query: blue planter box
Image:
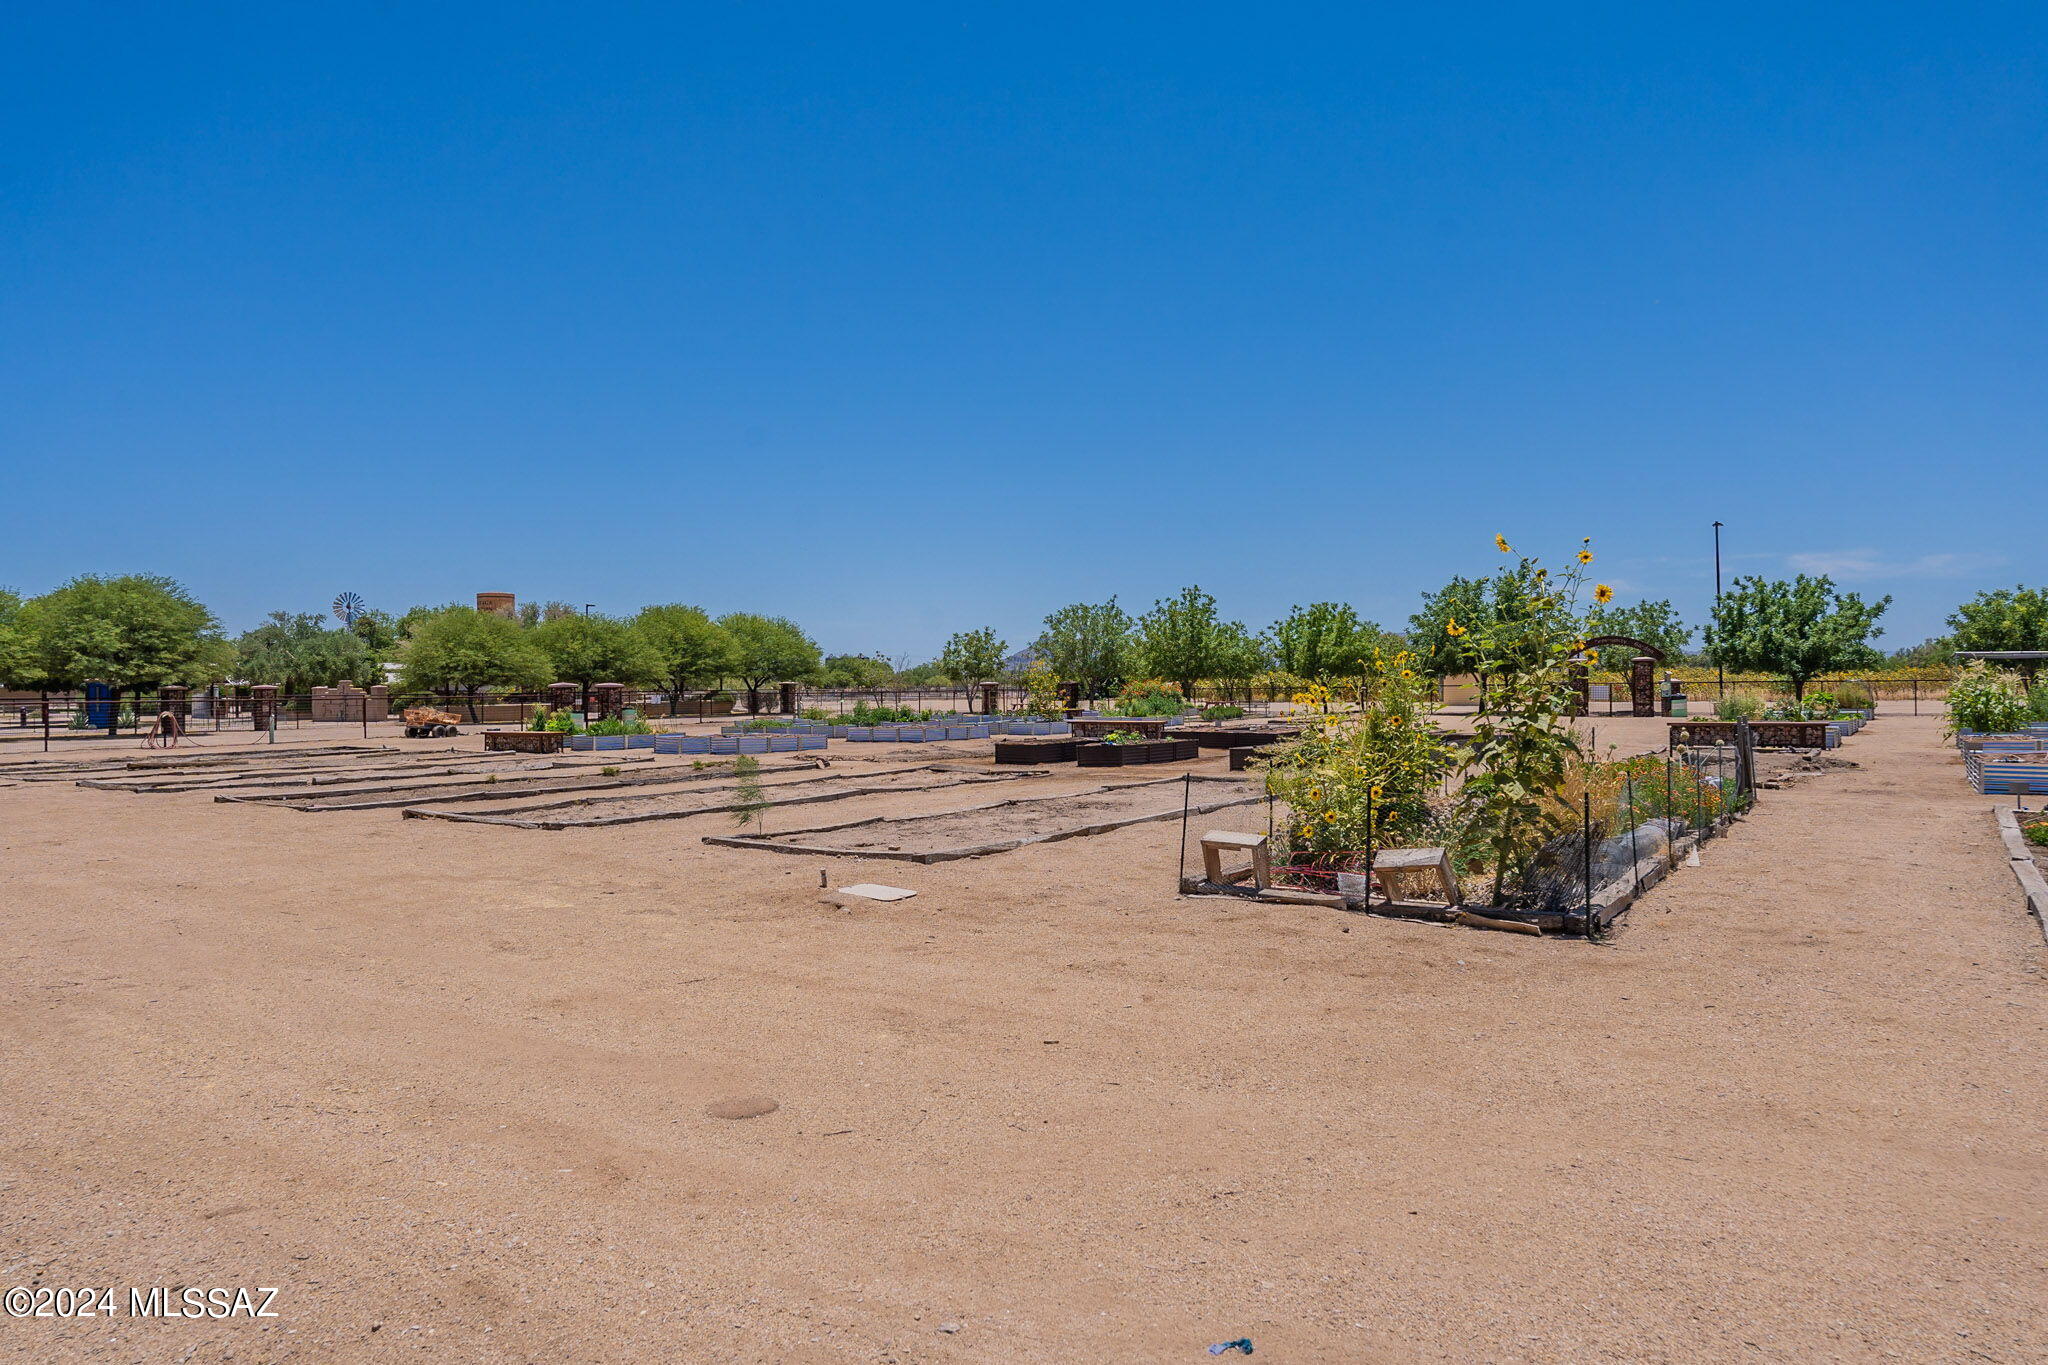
682 744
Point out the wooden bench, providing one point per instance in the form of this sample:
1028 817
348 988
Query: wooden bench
1217 841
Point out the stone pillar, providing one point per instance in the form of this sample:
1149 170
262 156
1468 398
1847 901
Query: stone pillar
1582 687
787 698
262 705
608 700
1642 685
991 698
562 696
1070 693
175 699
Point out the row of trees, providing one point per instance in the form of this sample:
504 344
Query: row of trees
137 631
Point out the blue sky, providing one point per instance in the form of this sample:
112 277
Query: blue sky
903 319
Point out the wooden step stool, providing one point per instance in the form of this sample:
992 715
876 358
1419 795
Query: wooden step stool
1217 840
1401 861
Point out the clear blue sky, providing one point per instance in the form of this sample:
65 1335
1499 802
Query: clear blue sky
899 320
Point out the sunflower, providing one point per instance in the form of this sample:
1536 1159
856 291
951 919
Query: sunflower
1454 629
1500 542
1376 793
1603 594
1585 556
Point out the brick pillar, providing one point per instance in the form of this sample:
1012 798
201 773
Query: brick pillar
608 700
380 702
786 698
262 705
174 699
1642 686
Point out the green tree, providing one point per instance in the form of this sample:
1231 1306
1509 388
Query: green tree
690 648
856 670
299 653
2008 618
594 649
1654 623
1325 640
1444 634
768 649
1796 630
462 650
1184 641
135 631
14 664
378 630
1091 644
972 657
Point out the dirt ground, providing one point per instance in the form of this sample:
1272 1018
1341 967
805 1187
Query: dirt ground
446 1086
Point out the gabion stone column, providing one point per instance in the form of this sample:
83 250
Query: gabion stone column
1582 688
262 705
175 699
608 700
1642 685
562 696
1070 692
991 698
787 698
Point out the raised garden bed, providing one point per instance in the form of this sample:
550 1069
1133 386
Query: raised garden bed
1999 773
1054 750
1768 734
1238 737
524 741
1130 754
1006 825
759 742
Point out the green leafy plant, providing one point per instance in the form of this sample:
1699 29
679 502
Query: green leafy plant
1985 701
620 727
1522 744
1123 737
2037 834
1149 697
1222 712
1364 778
1738 706
750 803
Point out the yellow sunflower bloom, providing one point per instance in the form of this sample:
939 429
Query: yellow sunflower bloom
1454 629
1603 594
1500 543
1585 556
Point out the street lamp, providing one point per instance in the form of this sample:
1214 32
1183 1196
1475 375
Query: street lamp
1720 674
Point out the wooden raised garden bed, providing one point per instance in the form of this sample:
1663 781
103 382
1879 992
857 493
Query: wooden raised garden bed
524 741
1095 727
1056 750
1228 737
1143 751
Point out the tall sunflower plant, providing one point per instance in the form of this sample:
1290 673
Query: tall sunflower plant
1363 778
1523 744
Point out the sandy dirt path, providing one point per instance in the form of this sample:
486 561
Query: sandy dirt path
445 1085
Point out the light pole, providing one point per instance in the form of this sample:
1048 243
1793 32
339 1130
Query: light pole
1720 674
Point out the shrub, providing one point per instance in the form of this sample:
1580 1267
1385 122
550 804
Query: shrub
1150 697
2037 833
1738 707
1224 712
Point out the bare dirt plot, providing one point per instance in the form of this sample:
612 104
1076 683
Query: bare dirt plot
1004 825
558 778
317 775
682 803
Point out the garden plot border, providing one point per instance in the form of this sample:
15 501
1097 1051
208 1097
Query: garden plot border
946 855
309 777
1610 898
2033 886
960 777
408 795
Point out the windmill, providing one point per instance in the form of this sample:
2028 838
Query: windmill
348 606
